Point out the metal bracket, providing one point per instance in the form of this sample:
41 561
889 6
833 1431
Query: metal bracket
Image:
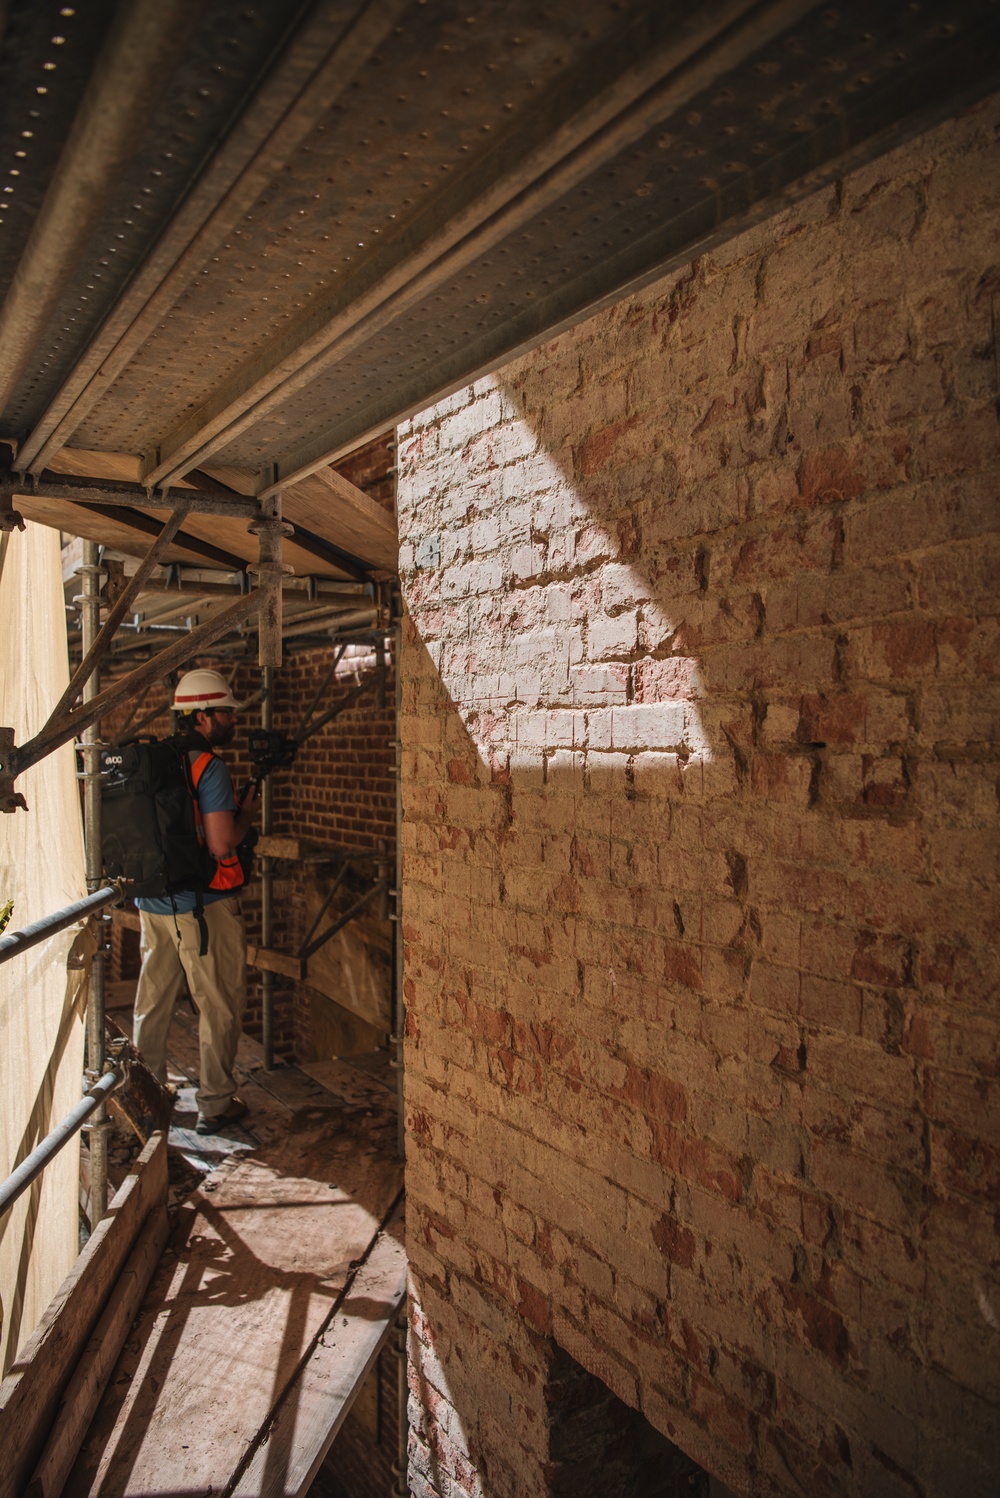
10 800
115 582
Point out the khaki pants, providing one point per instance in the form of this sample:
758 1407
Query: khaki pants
216 983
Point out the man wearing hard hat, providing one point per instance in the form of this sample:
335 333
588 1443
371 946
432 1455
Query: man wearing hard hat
197 936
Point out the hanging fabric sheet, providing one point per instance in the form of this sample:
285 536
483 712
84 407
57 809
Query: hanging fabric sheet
41 869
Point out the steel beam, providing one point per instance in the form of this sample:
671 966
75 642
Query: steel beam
179 582
326 551
318 66
329 622
586 120
78 490
138 60
147 525
267 880
839 144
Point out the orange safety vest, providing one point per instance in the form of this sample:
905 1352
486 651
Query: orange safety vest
228 871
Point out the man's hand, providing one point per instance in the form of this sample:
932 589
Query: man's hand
250 802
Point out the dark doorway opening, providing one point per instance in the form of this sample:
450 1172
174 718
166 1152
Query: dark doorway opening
602 1448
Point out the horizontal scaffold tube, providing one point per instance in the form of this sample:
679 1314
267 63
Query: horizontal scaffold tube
38 931
50 1146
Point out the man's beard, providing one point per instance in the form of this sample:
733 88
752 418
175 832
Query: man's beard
223 731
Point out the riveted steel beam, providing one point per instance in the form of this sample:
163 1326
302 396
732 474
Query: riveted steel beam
107 492
586 119
139 56
316 68
916 97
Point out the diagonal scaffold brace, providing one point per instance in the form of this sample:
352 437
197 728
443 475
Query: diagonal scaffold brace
70 718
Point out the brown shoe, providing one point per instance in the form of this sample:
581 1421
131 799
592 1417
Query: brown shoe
236 1110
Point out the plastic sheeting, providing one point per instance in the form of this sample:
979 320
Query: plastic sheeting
41 869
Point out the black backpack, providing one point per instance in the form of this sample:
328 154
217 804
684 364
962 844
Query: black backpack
149 836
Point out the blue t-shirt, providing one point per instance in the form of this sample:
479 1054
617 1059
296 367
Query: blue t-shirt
215 793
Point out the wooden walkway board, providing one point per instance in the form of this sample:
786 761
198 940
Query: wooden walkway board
318 1399
262 1255
30 1394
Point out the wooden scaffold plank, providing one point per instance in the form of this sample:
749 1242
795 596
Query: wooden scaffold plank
31 1392
263 1253
291 1450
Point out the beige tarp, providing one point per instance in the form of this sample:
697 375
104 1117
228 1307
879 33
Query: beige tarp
41 870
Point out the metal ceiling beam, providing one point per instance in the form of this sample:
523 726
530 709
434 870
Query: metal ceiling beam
103 492
887 118
120 501
75 489
146 525
318 66
326 551
142 50
180 581
622 87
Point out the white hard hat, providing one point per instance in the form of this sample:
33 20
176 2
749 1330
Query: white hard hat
202 689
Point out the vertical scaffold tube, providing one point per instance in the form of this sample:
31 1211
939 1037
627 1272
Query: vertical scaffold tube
399 1006
267 882
270 530
90 610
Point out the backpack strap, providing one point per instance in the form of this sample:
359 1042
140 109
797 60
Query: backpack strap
197 767
228 871
194 769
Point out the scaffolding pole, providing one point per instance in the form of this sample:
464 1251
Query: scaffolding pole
16 942
90 618
396 913
31 1168
267 881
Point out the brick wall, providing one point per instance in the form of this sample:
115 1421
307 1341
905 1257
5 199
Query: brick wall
340 791
700 786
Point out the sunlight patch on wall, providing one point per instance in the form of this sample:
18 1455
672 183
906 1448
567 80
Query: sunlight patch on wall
548 642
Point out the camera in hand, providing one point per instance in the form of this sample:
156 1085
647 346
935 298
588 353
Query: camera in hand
271 750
